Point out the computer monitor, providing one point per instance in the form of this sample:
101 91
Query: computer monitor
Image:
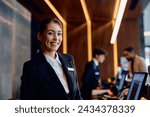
148 78
122 82
137 85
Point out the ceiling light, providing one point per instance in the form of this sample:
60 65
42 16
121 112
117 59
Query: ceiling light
89 31
118 20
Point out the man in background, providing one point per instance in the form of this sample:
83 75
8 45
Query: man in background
136 63
91 75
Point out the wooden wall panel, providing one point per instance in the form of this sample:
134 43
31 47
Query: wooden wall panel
129 35
101 35
101 32
77 45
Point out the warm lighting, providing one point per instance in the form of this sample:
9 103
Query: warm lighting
147 33
115 45
116 10
89 34
115 55
118 20
63 22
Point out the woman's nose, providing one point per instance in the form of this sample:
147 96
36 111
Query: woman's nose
55 36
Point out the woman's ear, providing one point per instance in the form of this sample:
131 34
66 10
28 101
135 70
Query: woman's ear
39 37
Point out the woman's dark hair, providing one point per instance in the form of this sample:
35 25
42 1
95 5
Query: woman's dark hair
98 51
43 23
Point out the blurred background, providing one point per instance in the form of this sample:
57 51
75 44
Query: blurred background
84 29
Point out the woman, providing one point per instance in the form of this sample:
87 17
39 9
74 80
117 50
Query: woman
50 75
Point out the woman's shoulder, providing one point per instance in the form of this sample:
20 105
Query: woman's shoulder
67 56
28 63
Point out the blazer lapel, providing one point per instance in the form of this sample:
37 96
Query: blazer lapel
65 65
49 76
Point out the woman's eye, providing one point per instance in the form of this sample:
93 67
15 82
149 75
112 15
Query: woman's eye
51 33
59 34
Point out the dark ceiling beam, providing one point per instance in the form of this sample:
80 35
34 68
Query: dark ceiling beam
99 10
133 4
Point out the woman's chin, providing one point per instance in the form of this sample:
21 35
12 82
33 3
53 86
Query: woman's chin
53 49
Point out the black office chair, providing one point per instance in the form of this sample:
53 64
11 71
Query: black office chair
134 92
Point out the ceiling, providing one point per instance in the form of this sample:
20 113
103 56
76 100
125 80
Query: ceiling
71 10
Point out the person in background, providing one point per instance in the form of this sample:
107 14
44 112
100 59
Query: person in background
136 63
50 75
91 75
124 65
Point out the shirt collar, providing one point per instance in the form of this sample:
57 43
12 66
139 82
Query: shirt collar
95 61
52 60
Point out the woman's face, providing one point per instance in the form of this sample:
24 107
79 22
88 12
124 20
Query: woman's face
51 38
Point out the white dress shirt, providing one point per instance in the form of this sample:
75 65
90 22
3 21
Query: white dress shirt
57 66
95 61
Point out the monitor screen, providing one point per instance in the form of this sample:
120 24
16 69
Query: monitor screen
148 78
136 86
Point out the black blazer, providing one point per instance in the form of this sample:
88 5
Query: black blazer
39 80
91 75
90 79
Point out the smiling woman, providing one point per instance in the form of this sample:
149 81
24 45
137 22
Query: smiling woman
50 36
50 75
